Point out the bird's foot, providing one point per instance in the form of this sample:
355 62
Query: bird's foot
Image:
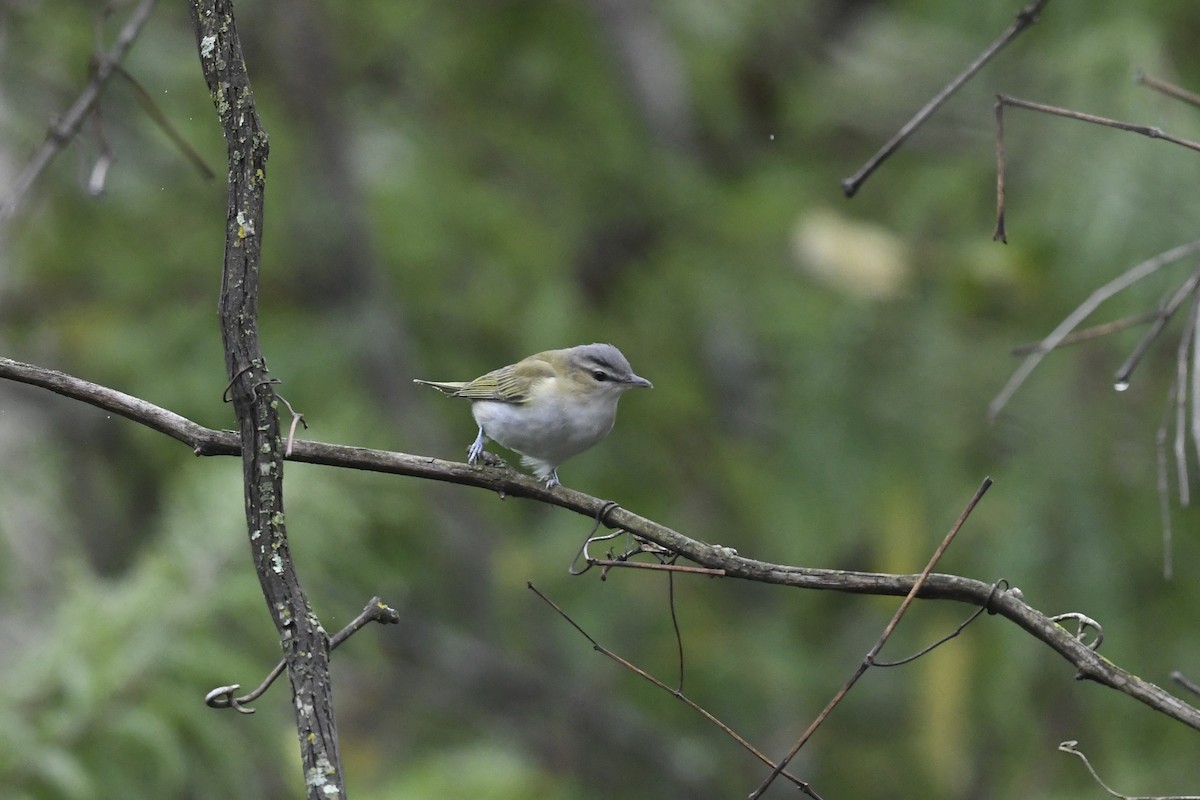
475 451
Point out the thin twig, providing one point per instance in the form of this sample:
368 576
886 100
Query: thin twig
1121 379
1071 748
297 419
159 118
1002 100
869 660
1001 233
1163 482
1085 309
1094 332
1185 682
962 626
67 126
1169 89
1192 334
613 562
675 626
1025 17
1181 400
677 693
375 611
1149 131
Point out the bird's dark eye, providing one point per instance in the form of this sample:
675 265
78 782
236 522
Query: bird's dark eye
599 375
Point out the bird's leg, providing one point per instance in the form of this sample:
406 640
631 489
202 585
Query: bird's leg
552 479
475 451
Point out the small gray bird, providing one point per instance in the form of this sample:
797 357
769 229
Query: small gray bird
547 407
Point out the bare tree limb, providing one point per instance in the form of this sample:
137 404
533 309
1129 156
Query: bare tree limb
1009 604
304 642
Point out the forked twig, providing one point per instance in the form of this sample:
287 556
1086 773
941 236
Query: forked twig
1160 321
1025 17
665 558
869 660
1177 401
962 626
65 128
222 697
1149 131
1082 312
1002 100
677 693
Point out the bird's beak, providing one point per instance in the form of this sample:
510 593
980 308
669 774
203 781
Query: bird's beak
634 382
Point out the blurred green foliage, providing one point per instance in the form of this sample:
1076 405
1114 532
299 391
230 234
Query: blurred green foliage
453 186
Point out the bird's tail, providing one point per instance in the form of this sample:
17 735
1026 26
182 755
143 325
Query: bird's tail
445 387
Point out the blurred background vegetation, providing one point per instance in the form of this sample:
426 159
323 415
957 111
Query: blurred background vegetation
453 186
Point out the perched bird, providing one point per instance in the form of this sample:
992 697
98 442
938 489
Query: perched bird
547 407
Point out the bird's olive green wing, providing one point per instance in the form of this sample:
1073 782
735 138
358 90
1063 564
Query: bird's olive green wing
509 384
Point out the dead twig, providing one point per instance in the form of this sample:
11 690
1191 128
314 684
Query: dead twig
1169 89
1025 17
962 626
222 697
64 129
1071 748
869 660
676 693
1082 312
1002 100
1094 332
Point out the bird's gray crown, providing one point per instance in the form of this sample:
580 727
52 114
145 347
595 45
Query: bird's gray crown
605 357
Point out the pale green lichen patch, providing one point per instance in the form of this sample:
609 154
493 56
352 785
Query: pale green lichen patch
319 776
245 225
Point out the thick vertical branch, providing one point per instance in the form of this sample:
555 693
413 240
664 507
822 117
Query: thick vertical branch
305 645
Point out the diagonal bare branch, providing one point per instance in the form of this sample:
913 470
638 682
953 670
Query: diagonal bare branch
1025 17
68 125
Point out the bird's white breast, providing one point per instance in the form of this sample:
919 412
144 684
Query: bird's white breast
552 425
